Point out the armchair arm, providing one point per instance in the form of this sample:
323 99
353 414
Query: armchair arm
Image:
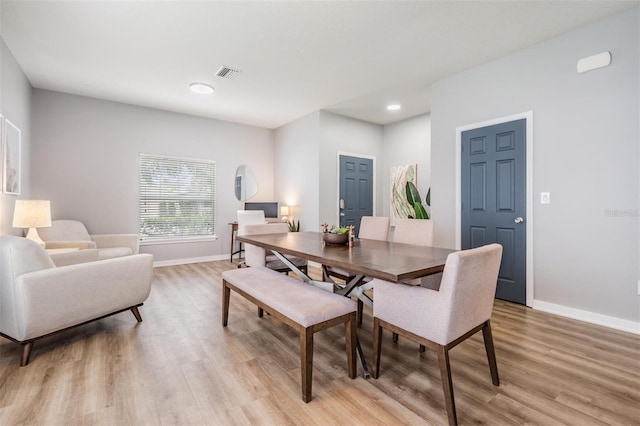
56 298
118 240
70 244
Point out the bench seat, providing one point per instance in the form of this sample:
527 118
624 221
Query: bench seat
303 307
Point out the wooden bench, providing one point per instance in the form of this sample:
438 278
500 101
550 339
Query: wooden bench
301 306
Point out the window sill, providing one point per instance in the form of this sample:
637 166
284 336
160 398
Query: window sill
163 241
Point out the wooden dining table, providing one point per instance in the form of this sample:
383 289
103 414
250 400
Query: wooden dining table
385 260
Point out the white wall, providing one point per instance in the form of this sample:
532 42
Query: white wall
15 105
346 135
85 160
296 173
407 142
585 153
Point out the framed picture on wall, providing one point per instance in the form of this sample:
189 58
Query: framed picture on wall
400 175
11 163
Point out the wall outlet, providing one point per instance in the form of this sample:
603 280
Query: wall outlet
545 198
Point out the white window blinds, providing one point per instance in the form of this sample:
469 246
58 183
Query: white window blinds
177 197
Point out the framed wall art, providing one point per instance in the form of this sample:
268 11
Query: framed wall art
400 175
11 163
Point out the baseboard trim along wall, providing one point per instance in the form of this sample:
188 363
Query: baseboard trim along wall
185 261
586 316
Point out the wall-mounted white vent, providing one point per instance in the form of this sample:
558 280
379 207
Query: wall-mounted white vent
228 73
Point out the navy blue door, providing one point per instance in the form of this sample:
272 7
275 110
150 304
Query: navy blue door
356 190
494 199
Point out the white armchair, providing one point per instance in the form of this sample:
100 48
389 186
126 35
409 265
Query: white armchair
38 299
70 234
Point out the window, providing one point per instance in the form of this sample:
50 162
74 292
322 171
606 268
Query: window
177 197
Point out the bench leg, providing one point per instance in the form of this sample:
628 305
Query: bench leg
306 363
226 295
350 339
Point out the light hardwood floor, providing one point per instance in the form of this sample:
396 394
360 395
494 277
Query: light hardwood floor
180 366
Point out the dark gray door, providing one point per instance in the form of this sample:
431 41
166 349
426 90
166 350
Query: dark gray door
356 190
494 199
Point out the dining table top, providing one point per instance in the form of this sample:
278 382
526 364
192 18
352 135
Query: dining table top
385 260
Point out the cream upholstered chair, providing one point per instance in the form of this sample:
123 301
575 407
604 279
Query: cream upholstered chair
418 232
257 256
371 228
248 217
65 234
38 299
442 319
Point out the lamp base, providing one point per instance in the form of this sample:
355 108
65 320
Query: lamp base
33 235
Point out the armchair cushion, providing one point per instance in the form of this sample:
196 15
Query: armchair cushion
73 234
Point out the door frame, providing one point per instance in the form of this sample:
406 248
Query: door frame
351 154
528 116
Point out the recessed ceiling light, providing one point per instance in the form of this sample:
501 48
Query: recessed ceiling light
201 88
393 107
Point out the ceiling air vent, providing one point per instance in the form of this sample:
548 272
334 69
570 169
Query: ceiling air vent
228 73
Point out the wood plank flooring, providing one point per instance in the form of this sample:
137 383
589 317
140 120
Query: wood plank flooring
181 367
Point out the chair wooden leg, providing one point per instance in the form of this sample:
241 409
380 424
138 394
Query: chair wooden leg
491 353
136 313
26 353
350 339
377 347
360 307
226 295
395 337
306 363
423 348
447 384
260 312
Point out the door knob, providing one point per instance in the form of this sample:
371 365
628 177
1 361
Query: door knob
519 220
341 214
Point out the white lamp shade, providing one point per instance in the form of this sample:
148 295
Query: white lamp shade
284 211
32 214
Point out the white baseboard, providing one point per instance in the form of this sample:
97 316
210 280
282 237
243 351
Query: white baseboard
586 316
185 261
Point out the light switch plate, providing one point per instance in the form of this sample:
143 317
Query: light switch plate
545 198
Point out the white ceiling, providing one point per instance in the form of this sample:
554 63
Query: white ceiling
296 57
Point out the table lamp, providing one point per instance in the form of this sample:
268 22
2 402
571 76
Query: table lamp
32 214
284 212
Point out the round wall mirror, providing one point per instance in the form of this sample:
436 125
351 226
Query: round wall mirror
245 184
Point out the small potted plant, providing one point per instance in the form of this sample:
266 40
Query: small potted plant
337 236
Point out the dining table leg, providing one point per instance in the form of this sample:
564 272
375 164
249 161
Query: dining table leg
330 285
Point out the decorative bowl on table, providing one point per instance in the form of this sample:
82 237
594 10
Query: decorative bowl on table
335 239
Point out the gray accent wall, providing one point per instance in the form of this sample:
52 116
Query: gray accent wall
586 142
85 160
15 105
